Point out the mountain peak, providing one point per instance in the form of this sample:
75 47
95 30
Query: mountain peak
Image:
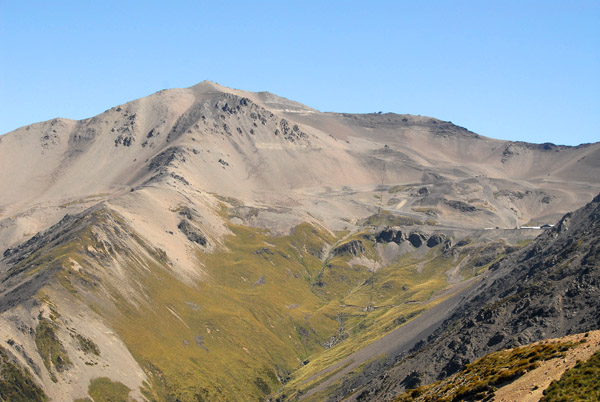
210 86
264 98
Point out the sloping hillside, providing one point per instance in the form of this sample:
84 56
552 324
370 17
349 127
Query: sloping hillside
548 289
523 374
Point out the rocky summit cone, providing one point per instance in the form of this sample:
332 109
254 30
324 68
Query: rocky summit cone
215 244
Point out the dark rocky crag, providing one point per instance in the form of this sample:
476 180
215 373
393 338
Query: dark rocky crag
549 289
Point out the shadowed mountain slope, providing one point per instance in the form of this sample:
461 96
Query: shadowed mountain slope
549 289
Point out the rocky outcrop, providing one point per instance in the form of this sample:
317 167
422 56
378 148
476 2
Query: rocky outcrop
390 235
192 233
461 206
353 247
436 239
293 133
166 158
417 239
423 191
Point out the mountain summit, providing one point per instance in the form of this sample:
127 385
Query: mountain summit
215 244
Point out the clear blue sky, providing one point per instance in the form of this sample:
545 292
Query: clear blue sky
517 70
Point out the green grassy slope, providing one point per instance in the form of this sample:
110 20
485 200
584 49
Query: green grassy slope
581 383
270 312
16 383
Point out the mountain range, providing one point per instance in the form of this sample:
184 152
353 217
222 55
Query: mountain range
217 244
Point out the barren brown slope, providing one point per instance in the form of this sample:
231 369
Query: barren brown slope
253 146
